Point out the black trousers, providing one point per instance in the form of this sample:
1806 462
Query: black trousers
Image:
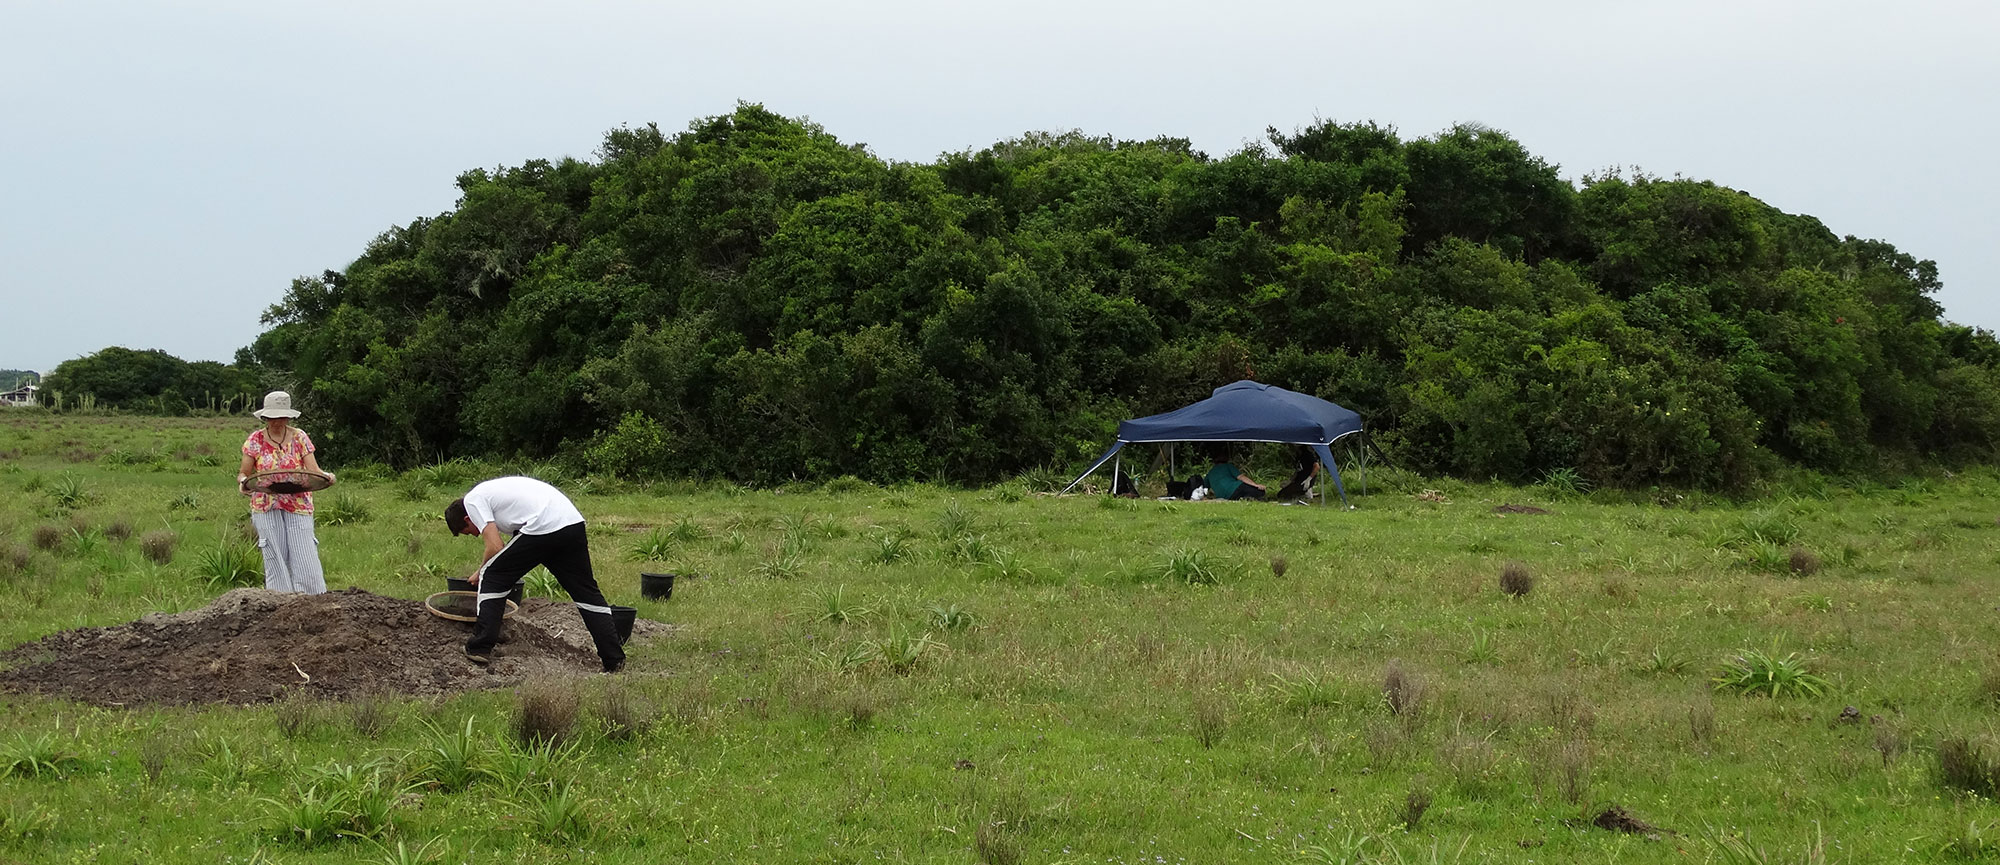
566 553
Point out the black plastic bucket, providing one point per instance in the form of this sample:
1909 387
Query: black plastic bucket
656 587
518 595
623 617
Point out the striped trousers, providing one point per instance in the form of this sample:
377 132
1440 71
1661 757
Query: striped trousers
291 552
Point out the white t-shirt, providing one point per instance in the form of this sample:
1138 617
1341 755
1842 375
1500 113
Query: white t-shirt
520 506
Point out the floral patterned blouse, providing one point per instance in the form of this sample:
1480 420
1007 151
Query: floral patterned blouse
270 458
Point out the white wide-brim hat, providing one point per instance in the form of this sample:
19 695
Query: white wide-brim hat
277 403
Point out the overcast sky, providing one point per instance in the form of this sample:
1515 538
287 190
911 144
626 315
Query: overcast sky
170 166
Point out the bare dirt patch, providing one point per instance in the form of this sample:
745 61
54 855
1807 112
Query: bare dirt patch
254 646
1520 509
1615 818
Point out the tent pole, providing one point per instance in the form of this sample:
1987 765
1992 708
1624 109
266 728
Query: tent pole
1115 470
1173 471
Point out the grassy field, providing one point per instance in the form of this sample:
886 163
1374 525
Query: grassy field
921 674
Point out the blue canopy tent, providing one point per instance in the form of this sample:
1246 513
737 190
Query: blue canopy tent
1244 412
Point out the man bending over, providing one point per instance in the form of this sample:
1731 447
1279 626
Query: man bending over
544 529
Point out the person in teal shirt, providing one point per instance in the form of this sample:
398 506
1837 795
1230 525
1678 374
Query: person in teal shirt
1226 481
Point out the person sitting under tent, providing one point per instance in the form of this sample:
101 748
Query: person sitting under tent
1226 481
1300 486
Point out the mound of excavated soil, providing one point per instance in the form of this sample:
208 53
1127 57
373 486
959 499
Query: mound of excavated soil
252 646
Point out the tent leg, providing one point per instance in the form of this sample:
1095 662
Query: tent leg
1115 471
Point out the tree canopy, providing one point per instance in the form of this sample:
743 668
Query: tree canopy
151 380
754 299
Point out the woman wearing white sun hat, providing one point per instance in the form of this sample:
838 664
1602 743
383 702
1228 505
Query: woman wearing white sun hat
284 521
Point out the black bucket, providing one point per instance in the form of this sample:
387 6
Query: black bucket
656 587
518 595
623 617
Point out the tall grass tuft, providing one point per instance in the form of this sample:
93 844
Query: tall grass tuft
48 538
158 545
1803 562
1963 766
1415 804
1515 580
1190 566
372 715
15 559
545 711
1402 693
621 715
296 715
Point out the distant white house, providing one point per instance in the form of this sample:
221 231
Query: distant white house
23 395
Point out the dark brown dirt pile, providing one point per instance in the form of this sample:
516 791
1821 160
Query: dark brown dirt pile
1520 509
253 646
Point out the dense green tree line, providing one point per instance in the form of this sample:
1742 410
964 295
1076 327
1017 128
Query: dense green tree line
13 378
151 381
754 299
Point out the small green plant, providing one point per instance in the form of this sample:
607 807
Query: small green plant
954 522
68 493
452 761
1771 527
25 822
1190 566
971 549
40 755
783 564
523 765
950 617
1480 650
657 546
834 607
685 530
1306 694
1008 565
187 501
1754 672
541 584
1768 557
552 813
342 509
889 548
229 564
308 817
1564 483
1662 661
902 653
413 489
403 855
